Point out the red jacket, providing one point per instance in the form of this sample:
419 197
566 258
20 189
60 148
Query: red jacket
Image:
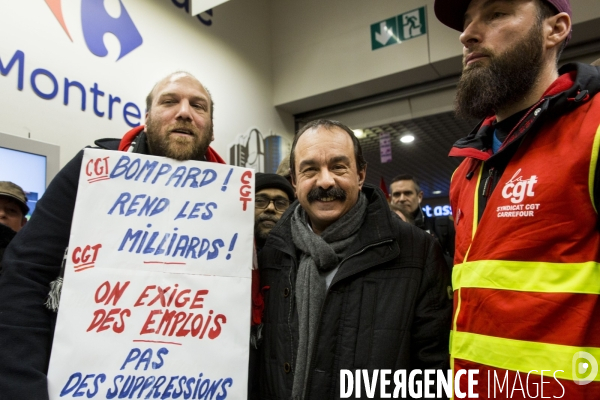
527 270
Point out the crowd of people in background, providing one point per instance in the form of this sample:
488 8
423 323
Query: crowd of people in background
347 279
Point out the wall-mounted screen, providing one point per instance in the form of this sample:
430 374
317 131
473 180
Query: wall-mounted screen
28 163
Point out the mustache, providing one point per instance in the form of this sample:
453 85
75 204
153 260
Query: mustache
320 193
266 217
484 52
183 126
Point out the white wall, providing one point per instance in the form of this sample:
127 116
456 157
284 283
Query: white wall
232 57
322 50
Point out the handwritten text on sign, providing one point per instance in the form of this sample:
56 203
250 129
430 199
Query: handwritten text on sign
156 300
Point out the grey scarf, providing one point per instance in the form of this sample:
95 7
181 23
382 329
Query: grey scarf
320 254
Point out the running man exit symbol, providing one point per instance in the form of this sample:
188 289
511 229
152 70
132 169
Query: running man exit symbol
412 23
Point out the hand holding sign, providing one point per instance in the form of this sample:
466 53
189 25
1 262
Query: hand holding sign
156 300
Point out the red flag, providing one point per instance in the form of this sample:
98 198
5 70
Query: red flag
383 188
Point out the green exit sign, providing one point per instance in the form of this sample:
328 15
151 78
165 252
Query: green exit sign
398 29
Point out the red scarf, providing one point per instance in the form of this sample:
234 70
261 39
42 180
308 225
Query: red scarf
211 155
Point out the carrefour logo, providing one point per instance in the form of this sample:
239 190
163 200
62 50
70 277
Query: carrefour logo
96 22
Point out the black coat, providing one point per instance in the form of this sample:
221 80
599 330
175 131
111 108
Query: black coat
30 263
6 235
386 308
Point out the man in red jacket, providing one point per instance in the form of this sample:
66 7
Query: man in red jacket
178 125
524 301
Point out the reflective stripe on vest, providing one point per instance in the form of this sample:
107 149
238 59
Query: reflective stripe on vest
516 355
529 276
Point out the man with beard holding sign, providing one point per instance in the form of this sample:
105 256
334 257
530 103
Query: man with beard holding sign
178 126
526 270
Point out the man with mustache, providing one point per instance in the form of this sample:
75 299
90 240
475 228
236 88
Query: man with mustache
179 126
347 285
524 297
273 195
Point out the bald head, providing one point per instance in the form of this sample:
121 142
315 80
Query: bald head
179 118
171 77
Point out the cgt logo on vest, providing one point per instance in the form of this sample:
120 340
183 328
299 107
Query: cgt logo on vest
96 22
517 189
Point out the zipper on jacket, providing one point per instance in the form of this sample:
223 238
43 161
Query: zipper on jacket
314 350
489 184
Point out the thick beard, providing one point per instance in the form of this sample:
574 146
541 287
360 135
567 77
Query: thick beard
178 148
484 90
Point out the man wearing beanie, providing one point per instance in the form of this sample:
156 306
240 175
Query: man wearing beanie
525 201
273 196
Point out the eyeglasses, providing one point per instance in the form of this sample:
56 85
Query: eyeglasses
279 203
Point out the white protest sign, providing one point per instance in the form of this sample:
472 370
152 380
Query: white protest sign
156 297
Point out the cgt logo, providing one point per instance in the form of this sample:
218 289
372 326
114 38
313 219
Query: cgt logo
95 22
517 188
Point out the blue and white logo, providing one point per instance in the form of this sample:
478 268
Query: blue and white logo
96 22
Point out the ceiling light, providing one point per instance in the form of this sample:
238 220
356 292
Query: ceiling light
407 138
437 192
359 133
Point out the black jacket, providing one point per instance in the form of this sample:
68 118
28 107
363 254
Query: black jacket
6 235
387 306
30 263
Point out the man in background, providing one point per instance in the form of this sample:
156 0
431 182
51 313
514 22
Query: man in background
178 126
273 195
522 263
13 209
13 206
407 195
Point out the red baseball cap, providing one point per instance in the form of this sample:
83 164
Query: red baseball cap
452 12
